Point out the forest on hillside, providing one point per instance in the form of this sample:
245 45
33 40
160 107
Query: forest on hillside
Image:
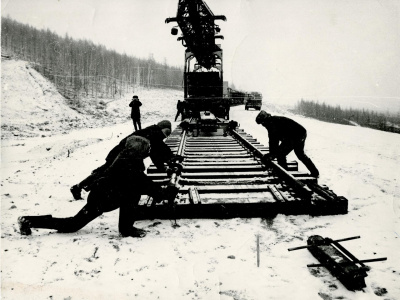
365 118
81 68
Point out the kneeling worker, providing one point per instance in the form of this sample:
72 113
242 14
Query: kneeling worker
160 153
119 184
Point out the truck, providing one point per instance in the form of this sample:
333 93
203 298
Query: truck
254 100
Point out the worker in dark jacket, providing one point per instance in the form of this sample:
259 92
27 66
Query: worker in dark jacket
120 186
180 109
160 153
227 106
284 136
135 112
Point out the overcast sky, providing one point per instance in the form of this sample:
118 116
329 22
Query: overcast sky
288 49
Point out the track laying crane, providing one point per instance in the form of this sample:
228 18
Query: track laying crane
203 74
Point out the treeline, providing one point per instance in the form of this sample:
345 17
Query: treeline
365 118
79 67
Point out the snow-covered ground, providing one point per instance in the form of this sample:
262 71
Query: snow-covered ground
47 147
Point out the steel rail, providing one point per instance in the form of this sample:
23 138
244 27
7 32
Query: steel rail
227 176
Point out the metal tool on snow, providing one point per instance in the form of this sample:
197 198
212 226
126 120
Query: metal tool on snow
338 260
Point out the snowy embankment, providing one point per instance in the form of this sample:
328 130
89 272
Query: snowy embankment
202 259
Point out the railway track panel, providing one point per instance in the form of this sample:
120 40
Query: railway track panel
226 177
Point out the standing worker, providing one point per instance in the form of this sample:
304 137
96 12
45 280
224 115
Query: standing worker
135 112
291 135
179 109
227 107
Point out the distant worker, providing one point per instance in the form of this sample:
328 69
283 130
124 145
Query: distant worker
160 153
180 107
227 107
291 135
120 186
135 112
185 109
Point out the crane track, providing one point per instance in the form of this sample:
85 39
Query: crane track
225 177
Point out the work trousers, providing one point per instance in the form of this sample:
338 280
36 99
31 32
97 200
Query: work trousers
106 195
287 146
136 123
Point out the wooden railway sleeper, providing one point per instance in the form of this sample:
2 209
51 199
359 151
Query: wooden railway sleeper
216 165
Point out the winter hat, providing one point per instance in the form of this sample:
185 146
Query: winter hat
135 97
164 124
166 132
184 125
262 116
139 144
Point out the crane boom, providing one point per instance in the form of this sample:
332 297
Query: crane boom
199 31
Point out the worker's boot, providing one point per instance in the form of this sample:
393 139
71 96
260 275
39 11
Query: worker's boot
126 221
76 192
282 162
86 183
311 167
25 223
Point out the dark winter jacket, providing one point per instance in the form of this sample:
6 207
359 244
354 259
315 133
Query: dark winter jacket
121 180
122 177
135 110
129 159
282 129
180 106
159 152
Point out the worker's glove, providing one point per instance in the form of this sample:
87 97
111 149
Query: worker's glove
175 158
174 168
184 125
233 124
266 158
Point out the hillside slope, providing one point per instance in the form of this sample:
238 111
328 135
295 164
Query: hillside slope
32 106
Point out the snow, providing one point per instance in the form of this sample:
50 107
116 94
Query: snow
202 259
